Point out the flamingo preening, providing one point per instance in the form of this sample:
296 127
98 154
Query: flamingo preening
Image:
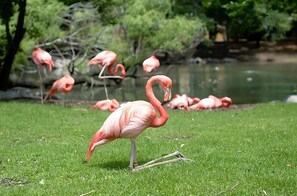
107 105
150 64
106 59
62 85
42 58
132 118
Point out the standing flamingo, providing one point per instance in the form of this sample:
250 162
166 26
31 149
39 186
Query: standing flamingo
107 105
150 64
42 58
62 85
132 118
107 59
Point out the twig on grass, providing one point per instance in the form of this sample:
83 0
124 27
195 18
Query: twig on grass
228 189
92 191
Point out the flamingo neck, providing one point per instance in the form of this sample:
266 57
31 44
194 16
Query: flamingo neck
157 122
113 72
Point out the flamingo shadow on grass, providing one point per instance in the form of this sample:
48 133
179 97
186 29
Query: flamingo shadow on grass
114 165
120 165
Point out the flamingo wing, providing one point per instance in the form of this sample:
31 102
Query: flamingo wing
129 120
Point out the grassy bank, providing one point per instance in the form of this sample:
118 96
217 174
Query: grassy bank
251 151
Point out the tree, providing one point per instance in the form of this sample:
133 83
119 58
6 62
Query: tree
13 41
142 27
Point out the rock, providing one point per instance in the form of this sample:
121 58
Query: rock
17 93
291 99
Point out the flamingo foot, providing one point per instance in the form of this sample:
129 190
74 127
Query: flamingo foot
178 157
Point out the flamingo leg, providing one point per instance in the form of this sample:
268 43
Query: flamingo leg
40 85
178 157
133 155
104 81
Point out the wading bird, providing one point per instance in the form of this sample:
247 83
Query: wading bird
106 59
178 102
107 105
212 102
42 58
132 118
62 85
150 64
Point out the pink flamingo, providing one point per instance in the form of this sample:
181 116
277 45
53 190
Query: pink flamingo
132 118
190 100
226 102
212 102
42 58
107 59
107 105
62 85
150 64
178 102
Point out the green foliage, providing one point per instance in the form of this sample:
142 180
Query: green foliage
178 33
42 22
274 23
150 25
237 152
261 18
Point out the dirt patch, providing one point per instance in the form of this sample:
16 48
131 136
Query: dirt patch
12 182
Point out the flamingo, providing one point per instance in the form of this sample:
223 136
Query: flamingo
132 118
150 64
226 101
42 58
62 85
178 102
106 59
190 100
212 102
107 105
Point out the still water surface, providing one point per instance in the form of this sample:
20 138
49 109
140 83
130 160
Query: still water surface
243 82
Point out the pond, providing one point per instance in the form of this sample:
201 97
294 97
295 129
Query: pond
242 82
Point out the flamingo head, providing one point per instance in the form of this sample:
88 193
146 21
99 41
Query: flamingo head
226 101
166 84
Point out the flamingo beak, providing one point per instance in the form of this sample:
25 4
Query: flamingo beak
167 95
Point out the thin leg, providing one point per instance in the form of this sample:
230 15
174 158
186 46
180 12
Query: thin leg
104 81
133 155
156 162
40 83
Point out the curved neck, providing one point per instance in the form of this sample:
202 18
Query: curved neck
113 72
157 122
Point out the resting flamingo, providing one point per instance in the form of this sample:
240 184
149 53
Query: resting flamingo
42 58
191 100
132 118
62 85
107 105
212 102
107 59
226 102
178 102
150 64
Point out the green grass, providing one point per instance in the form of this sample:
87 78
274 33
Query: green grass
251 151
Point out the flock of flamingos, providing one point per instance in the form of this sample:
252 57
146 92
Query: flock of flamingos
129 119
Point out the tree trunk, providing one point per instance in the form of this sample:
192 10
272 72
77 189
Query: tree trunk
13 47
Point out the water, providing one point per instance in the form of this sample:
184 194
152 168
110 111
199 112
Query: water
242 82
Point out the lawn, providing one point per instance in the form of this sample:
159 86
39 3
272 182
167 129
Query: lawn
251 151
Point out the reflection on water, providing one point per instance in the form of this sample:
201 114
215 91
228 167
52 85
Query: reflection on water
243 82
